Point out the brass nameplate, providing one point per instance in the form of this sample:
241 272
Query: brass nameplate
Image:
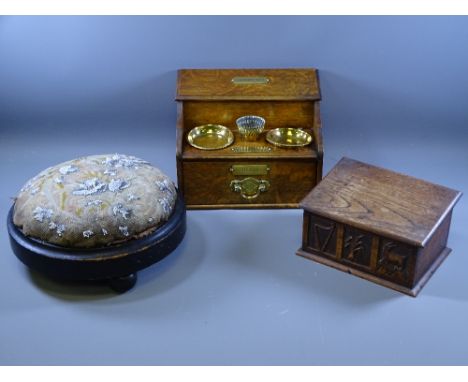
250 169
250 80
251 149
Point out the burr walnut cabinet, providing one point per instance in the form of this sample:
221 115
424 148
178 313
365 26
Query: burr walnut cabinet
248 174
385 227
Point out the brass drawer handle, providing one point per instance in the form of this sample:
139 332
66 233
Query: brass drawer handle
250 188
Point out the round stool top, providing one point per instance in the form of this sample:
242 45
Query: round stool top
95 201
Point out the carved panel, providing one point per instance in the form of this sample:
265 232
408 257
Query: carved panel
322 235
357 246
394 260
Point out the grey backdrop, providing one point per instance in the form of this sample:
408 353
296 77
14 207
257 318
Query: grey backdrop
395 94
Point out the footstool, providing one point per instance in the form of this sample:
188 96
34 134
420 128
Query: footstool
100 217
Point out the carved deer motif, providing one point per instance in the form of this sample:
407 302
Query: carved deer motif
392 261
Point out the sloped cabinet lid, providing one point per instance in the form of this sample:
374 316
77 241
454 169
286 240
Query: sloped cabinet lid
248 84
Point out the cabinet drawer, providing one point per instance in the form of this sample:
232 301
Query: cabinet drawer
247 184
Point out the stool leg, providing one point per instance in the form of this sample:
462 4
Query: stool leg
124 283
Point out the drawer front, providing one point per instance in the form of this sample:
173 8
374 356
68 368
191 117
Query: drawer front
247 184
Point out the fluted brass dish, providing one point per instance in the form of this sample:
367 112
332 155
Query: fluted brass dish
250 126
210 137
289 137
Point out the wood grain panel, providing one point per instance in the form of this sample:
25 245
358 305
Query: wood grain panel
216 84
382 201
433 248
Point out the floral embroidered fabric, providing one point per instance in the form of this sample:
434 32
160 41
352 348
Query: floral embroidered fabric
95 201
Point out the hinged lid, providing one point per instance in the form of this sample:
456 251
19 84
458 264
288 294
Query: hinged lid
247 84
381 201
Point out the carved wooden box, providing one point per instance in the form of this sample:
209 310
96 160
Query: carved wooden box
382 226
230 177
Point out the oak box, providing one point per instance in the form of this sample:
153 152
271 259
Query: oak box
385 227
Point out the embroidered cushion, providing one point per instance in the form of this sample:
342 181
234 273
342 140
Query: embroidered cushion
95 201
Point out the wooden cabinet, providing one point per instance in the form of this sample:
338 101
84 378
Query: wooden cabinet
226 178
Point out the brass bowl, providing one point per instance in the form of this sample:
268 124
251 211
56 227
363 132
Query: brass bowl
289 137
210 137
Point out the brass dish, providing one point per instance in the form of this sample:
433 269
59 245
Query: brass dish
250 126
210 137
289 137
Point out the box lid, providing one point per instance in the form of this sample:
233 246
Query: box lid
247 84
381 201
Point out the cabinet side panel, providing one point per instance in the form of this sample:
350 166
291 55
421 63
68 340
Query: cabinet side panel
434 247
179 146
305 228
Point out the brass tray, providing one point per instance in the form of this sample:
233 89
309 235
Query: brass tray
289 137
210 137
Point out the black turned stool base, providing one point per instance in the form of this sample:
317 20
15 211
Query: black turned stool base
117 265
124 283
